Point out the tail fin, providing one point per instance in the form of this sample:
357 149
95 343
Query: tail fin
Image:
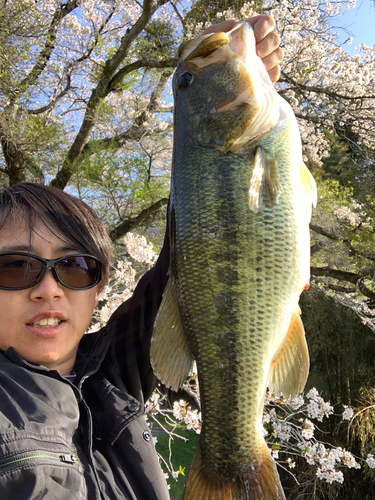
259 482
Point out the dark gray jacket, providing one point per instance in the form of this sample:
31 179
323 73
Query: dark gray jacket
87 441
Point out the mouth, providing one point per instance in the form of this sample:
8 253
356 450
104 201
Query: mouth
49 322
254 91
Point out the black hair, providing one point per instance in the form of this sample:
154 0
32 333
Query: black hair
67 217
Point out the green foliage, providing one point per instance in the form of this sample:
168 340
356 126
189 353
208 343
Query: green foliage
350 225
158 41
205 10
349 162
21 37
119 184
37 142
338 165
341 347
362 427
332 193
182 455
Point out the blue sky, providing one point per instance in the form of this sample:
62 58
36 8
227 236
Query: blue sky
361 23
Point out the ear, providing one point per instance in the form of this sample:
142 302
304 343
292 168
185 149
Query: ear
96 298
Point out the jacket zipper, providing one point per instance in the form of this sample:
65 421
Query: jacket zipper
65 458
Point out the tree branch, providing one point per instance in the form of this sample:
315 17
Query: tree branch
143 63
325 232
53 102
337 237
133 222
186 388
308 117
322 90
137 130
182 20
114 62
17 160
89 50
100 92
335 273
168 109
365 290
86 55
340 288
45 54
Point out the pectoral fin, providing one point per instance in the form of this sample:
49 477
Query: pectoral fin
264 182
171 359
290 367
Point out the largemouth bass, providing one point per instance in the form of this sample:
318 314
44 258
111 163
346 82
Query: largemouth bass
241 201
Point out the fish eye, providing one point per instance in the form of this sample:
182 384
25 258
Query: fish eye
184 81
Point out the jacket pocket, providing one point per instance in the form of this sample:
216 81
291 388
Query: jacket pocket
51 472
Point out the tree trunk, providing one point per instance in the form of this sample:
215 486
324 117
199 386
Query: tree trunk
15 162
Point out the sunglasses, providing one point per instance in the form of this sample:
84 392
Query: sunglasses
20 270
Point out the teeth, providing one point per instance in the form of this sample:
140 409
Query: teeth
47 322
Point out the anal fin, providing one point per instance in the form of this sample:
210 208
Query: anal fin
290 368
171 359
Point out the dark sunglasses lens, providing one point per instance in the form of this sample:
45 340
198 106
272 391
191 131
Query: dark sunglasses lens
78 271
18 270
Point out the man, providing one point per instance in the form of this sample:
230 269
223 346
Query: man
72 405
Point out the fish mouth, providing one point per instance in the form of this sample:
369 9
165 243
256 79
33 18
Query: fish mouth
254 91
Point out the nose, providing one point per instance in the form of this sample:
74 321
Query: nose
47 289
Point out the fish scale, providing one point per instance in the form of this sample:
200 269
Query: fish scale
225 304
239 217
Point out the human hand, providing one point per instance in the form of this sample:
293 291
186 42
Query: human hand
267 41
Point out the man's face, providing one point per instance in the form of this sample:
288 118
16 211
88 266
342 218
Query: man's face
21 311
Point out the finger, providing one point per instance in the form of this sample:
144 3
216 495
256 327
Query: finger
273 59
224 26
269 44
263 25
272 63
268 41
274 74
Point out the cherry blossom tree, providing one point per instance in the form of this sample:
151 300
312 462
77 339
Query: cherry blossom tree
84 92
81 79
